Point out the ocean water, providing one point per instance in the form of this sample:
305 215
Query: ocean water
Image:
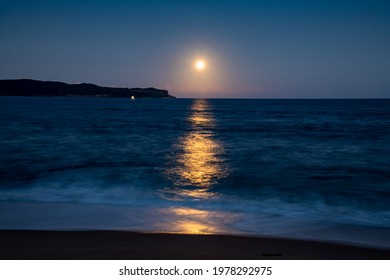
316 169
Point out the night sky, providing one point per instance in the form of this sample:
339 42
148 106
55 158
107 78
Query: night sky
262 49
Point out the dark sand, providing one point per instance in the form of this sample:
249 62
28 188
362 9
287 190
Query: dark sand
117 245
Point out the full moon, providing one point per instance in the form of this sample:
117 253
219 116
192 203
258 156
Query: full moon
200 64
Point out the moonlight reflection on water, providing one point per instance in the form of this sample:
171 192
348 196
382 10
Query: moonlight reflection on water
198 164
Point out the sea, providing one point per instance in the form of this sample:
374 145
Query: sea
299 168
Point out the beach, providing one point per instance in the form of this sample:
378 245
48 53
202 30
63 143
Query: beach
117 245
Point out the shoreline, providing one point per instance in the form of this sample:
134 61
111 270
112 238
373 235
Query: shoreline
74 217
118 245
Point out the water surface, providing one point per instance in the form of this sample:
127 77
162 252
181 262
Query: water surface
278 167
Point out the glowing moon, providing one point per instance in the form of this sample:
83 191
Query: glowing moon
200 64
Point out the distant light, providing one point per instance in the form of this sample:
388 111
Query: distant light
132 97
200 64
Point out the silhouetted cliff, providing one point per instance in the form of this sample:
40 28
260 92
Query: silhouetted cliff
26 87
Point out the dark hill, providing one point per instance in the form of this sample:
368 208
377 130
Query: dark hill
26 87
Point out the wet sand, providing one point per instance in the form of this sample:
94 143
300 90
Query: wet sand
117 245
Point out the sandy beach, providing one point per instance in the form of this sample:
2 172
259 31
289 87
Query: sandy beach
116 245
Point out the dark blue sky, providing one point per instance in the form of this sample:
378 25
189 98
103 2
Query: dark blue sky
281 49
